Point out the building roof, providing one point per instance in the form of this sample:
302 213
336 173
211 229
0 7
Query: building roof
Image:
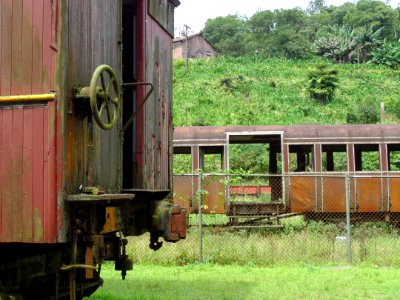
183 38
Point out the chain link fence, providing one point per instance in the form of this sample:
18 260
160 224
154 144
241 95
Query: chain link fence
272 220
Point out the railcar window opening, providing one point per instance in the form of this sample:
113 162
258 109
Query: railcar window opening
334 158
394 157
366 157
249 158
211 159
258 153
301 158
182 161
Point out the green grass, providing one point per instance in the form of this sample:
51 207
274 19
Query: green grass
245 91
249 282
296 244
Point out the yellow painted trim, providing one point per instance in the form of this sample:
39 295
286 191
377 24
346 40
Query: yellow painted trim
28 98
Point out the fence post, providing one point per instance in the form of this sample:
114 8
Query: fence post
200 218
348 238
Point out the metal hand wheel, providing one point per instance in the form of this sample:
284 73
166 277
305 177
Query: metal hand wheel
105 100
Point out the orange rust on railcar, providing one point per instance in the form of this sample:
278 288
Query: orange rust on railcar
369 194
301 194
394 194
334 194
214 198
213 194
184 191
251 190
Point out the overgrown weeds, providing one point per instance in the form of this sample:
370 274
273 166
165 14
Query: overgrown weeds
297 243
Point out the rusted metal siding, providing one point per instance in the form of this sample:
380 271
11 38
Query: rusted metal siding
94 38
27 158
299 134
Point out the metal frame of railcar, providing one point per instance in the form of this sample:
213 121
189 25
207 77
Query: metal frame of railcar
352 140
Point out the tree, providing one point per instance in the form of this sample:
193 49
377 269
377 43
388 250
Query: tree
339 44
388 54
290 36
322 83
367 39
372 14
316 7
228 35
261 26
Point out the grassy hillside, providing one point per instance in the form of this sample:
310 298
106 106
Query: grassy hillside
251 91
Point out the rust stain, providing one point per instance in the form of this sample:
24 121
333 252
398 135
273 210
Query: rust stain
111 222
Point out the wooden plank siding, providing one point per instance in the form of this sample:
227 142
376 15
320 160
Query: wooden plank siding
93 39
158 124
27 214
27 132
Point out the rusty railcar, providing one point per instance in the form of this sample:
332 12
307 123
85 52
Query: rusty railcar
307 168
85 140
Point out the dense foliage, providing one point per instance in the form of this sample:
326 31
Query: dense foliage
255 91
322 83
346 33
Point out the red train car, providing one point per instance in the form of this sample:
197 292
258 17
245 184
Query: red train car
306 170
85 140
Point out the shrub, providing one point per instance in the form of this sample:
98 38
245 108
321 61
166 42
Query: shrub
387 55
366 113
322 83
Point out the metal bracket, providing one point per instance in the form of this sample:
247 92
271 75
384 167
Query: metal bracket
135 84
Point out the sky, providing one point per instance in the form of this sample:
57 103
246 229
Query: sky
195 13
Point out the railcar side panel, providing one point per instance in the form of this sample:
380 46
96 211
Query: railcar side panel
369 194
27 153
184 192
28 61
28 206
94 38
301 194
394 194
158 123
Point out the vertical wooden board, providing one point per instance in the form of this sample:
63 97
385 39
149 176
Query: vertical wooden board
47 224
38 178
1 64
16 58
6 199
1 166
26 56
46 42
6 52
37 53
54 38
95 58
27 209
16 173
52 171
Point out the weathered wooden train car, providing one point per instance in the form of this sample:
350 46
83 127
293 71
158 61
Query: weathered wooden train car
85 140
307 168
